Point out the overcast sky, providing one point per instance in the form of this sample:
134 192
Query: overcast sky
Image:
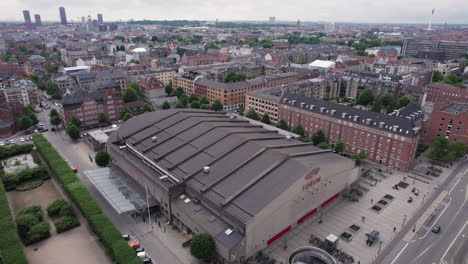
384 11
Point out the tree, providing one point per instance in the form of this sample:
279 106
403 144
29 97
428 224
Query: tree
184 101
459 149
134 86
377 105
179 105
265 119
192 98
55 120
217 106
386 99
53 90
166 105
359 157
130 95
147 108
102 158
438 148
282 124
34 78
366 97
102 118
53 112
168 89
195 104
76 121
73 131
29 112
205 106
240 110
323 145
127 116
437 76
403 101
202 246
391 107
25 122
204 100
252 114
318 137
339 146
298 130
124 111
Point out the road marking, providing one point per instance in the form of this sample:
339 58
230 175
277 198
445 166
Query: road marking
401 251
466 193
453 187
422 253
455 239
436 220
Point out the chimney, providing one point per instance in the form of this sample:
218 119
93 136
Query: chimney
332 112
381 124
356 118
416 130
288 137
154 139
343 115
285 100
368 121
312 107
206 169
395 128
293 102
302 104
322 109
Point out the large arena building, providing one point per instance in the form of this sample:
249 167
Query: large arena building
243 184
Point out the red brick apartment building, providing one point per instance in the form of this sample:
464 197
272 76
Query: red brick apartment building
232 95
450 122
205 59
87 104
391 140
443 95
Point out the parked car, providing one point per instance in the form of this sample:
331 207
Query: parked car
30 138
372 237
7 142
435 228
75 170
1 143
26 138
21 139
12 142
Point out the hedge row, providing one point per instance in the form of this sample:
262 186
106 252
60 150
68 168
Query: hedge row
11 249
67 218
14 150
108 234
12 180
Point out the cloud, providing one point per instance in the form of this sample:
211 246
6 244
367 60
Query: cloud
382 11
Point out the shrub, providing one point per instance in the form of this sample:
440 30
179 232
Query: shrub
11 181
108 234
24 223
65 223
202 246
102 158
6 152
10 243
34 210
66 210
53 208
29 185
38 232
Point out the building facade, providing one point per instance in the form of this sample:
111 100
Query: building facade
24 92
450 122
441 95
391 140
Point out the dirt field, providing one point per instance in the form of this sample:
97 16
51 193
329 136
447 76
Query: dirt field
75 246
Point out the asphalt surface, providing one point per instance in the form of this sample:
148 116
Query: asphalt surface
77 155
450 245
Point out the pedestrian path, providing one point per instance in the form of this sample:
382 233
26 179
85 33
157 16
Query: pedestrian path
341 214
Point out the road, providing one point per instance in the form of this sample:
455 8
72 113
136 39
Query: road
76 153
450 246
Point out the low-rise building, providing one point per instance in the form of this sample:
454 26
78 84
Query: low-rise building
23 91
151 88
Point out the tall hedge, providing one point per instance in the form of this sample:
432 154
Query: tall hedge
9 151
11 248
108 234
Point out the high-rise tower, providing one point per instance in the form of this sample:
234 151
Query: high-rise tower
27 18
37 18
63 15
100 20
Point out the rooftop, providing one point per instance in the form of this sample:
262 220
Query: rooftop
402 125
456 109
249 166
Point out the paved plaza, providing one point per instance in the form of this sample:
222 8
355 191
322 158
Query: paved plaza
338 217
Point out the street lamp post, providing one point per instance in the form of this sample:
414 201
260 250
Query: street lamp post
380 245
404 220
423 199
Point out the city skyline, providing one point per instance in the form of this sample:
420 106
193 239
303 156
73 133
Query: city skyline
357 11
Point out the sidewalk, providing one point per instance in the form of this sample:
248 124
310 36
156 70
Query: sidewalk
343 213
